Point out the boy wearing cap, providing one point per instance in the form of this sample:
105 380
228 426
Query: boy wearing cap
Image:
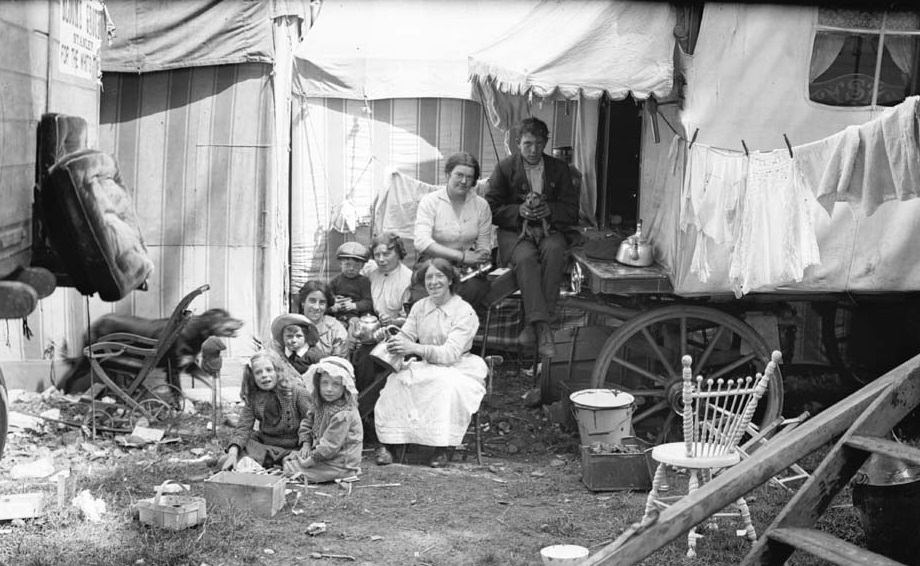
352 290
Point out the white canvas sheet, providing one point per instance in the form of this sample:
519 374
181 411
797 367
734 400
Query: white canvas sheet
406 49
567 50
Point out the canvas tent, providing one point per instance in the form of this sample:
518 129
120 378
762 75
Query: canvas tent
400 96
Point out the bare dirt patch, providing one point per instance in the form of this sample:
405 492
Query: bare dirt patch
527 494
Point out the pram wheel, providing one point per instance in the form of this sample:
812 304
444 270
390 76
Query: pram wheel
155 410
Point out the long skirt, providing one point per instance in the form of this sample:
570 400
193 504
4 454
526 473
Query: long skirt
430 404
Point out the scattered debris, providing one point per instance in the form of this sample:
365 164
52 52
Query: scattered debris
40 468
93 509
268 551
538 473
314 529
335 556
197 451
20 506
532 398
376 537
248 465
22 421
51 414
379 485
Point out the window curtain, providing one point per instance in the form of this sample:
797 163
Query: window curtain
901 49
827 48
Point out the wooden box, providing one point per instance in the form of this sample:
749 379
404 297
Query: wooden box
173 512
617 471
261 494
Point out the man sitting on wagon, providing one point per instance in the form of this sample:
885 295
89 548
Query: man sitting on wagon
533 202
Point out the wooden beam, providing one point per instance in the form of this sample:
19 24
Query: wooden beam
767 462
830 548
841 463
885 447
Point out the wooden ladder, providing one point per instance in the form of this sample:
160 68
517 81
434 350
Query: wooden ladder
794 528
857 425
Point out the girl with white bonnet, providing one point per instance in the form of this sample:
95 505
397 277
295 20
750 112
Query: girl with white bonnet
332 434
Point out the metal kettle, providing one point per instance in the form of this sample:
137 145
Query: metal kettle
636 250
366 327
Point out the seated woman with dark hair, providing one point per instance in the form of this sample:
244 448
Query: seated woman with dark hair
430 401
456 224
314 299
390 282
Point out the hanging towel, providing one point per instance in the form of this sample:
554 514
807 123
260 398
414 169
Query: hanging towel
865 165
396 207
825 167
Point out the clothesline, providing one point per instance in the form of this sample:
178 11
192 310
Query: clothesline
744 145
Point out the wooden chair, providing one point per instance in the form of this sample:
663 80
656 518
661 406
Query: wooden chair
123 361
715 414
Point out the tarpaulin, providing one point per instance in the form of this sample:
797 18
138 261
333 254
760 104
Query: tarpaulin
599 46
409 49
160 35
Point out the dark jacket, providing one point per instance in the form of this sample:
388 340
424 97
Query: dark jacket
508 186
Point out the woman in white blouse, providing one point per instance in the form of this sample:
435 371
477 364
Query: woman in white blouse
455 223
431 400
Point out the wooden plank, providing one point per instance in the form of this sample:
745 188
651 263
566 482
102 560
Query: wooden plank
810 502
885 447
744 477
830 548
20 506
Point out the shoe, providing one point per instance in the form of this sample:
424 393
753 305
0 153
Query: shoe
527 337
545 345
382 456
440 458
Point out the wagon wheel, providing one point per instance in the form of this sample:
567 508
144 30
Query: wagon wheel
642 357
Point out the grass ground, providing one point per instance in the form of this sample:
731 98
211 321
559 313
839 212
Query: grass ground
527 494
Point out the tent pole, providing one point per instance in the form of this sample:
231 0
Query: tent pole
602 185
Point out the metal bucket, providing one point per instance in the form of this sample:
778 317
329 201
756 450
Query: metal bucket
603 415
886 496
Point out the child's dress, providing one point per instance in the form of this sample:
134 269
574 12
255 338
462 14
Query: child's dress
333 430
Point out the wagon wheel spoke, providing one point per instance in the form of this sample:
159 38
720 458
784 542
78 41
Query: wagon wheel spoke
666 427
643 372
658 407
737 363
701 360
665 362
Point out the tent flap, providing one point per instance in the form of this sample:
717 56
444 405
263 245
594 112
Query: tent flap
556 51
157 36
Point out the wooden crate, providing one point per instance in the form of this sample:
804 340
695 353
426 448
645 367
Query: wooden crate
262 494
173 512
619 471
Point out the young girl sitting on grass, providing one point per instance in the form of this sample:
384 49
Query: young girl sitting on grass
332 433
271 397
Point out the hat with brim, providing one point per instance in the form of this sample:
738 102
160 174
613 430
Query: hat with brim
279 324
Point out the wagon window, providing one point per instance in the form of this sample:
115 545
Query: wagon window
865 58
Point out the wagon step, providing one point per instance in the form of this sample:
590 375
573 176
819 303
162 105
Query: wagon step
828 547
885 447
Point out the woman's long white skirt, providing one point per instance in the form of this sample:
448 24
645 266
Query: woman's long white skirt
430 404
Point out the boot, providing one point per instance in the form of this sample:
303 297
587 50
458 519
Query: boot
545 345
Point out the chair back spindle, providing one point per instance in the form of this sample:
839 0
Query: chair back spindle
716 412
